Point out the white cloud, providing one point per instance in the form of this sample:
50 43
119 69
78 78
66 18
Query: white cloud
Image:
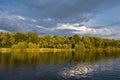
47 19
41 27
1 30
21 17
77 29
15 22
47 29
33 20
9 16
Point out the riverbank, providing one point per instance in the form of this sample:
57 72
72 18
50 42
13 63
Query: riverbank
34 50
4 50
108 49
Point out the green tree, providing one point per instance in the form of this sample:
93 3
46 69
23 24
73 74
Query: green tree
87 42
20 45
33 45
80 46
32 37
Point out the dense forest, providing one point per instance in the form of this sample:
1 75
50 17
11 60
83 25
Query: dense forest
33 40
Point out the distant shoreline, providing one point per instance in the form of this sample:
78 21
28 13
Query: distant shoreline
35 50
51 49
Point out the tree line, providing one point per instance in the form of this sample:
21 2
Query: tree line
33 40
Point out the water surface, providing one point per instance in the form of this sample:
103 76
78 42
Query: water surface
89 65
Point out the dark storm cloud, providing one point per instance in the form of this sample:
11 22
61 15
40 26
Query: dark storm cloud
27 15
67 8
61 9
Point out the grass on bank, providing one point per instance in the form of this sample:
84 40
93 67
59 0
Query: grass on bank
34 50
4 50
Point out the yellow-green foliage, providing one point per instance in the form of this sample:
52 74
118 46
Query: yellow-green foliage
33 40
20 45
33 45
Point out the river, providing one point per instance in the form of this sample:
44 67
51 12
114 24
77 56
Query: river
79 65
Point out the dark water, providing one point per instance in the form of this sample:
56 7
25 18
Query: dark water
89 65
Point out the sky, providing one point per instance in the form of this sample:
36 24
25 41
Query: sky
99 18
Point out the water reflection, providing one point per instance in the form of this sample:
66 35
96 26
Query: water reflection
16 59
82 70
